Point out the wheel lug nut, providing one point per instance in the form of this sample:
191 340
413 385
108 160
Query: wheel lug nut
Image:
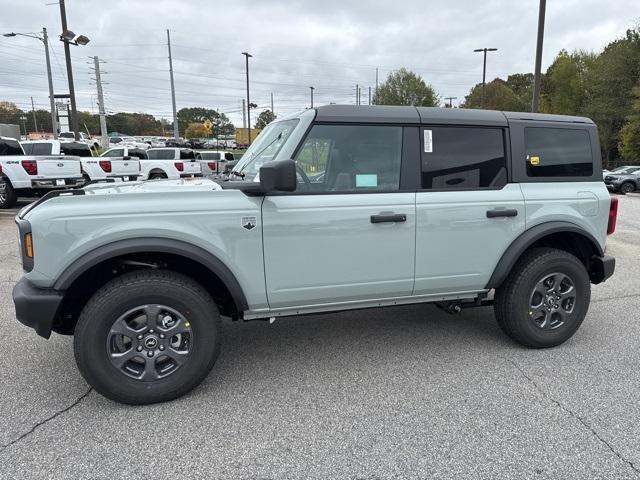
161 347
151 331
140 337
149 354
162 335
139 348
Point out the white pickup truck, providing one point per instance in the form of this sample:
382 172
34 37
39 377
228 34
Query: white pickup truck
214 162
93 169
171 163
27 175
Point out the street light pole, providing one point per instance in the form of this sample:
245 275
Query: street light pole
312 89
44 39
535 103
247 55
176 130
484 70
67 56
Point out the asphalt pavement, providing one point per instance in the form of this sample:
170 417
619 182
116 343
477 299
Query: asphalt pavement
403 392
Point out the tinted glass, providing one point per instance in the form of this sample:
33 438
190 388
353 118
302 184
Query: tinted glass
10 147
350 158
558 152
138 153
115 140
187 154
78 149
228 156
463 157
161 154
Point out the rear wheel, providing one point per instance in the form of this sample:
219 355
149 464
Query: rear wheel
627 187
8 197
545 298
157 176
147 336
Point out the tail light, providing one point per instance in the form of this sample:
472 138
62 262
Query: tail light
213 166
30 166
179 166
105 165
613 215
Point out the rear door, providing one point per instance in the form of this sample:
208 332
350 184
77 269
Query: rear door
467 212
347 235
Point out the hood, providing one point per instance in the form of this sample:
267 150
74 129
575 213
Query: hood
153 186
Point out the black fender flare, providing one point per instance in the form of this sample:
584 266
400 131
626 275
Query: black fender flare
160 245
528 238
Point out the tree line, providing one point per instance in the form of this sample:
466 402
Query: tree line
603 86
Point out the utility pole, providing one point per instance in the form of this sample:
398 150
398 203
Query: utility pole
244 114
176 130
376 81
357 94
274 113
104 141
67 55
484 69
33 110
312 89
451 99
54 123
246 56
535 103
369 95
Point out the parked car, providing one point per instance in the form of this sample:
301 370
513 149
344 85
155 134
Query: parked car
195 143
416 205
159 163
70 136
93 170
28 175
128 142
214 163
624 180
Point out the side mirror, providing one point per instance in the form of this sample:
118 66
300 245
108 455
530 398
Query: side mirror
278 176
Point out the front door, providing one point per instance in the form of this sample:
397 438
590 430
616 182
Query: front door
347 235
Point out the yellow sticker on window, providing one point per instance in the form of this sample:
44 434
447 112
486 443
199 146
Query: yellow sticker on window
534 160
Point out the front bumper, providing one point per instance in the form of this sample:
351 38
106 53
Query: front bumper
601 268
36 307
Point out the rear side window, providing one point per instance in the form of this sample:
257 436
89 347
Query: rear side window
138 152
77 149
10 147
37 148
161 154
456 158
558 152
187 155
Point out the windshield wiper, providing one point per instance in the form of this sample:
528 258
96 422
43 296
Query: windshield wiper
239 174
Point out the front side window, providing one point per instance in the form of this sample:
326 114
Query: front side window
558 152
350 158
456 158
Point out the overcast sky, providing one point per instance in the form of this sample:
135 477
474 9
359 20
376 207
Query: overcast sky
330 44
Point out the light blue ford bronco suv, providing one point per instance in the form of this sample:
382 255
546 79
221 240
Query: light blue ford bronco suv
335 208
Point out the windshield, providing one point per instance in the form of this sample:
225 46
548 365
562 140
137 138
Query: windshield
625 169
266 147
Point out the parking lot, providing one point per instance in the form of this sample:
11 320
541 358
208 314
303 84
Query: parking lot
404 392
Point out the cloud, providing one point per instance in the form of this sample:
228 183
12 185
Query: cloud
332 45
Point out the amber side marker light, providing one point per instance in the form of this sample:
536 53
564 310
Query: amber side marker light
28 245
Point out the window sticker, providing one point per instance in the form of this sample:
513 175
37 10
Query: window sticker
366 180
534 159
428 141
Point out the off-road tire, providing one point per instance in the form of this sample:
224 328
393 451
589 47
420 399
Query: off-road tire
512 298
157 176
129 291
8 197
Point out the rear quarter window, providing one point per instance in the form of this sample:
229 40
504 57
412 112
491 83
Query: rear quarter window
558 152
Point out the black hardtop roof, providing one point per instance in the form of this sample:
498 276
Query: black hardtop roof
433 115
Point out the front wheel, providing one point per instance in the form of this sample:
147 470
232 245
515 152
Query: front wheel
545 298
147 336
